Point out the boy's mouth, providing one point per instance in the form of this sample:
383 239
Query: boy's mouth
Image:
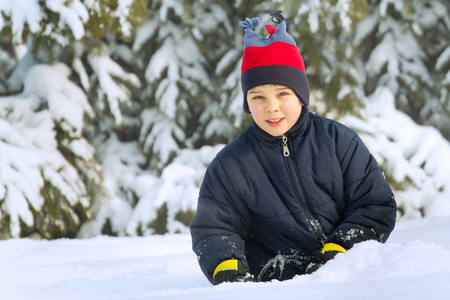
274 122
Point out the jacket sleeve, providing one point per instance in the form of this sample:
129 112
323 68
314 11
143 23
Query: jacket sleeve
221 224
370 205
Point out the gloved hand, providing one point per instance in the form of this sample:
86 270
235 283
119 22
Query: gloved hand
328 252
231 270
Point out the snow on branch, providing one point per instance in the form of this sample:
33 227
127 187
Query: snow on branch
30 14
20 13
40 190
66 102
416 158
109 74
177 188
27 162
159 136
122 13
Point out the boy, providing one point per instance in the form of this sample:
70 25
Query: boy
294 189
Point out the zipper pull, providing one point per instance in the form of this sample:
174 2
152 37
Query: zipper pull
285 146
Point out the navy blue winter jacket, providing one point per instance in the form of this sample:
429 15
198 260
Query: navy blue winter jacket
273 209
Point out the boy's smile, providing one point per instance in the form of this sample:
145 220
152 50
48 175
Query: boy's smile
275 123
274 108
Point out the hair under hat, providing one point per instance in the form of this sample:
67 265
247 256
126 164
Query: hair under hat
272 60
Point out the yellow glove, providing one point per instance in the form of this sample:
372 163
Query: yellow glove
327 253
231 270
333 247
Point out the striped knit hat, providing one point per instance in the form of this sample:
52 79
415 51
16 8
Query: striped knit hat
272 60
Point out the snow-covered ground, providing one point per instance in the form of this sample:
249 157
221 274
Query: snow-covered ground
413 264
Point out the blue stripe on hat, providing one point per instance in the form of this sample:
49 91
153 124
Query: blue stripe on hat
252 39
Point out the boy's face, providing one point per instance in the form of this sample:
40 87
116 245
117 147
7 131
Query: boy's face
274 108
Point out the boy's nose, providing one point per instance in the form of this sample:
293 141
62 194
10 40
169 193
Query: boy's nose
272 105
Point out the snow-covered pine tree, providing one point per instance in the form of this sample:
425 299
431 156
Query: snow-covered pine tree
169 54
415 158
48 174
188 47
8 61
216 31
404 45
404 63
431 25
186 52
52 190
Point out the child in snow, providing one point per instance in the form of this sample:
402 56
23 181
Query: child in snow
294 189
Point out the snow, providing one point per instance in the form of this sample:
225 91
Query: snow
316 8
384 5
167 5
29 13
107 69
122 12
144 32
408 153
66 101
443 59
313 18
74 15
343 8
21 12
28 146
413 264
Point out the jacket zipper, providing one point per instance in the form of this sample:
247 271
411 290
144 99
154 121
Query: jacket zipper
299 191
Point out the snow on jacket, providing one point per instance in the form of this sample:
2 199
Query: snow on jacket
273 209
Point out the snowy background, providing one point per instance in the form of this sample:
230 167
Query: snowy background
110 113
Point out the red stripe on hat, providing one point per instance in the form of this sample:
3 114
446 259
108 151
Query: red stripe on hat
277 53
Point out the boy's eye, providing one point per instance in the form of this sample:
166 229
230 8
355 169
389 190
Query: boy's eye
258 97
283 94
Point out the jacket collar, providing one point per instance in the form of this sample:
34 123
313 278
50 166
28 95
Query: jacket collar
299 128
